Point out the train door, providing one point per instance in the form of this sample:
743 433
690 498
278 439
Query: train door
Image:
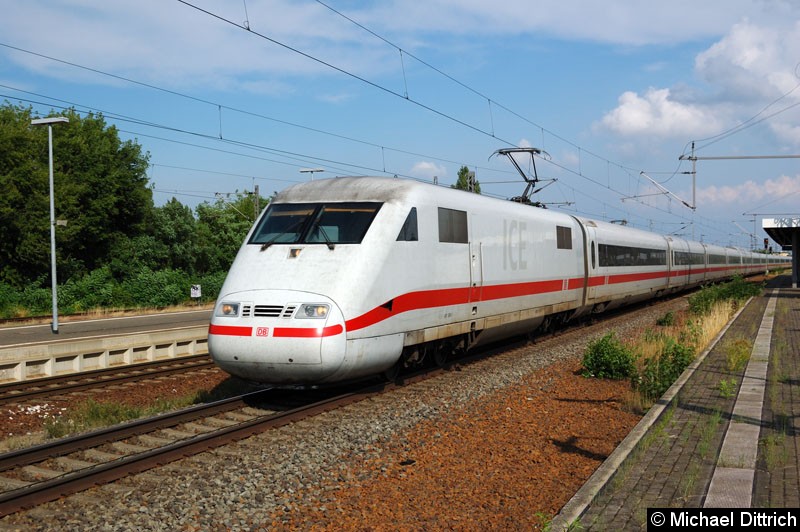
680 263
590 260
475 271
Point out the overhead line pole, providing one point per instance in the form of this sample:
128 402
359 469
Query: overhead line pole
694 158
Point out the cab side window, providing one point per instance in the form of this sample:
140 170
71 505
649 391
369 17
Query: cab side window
409 233
453 226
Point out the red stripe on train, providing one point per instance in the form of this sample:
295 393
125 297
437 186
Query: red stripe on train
278 332
307 332
230 330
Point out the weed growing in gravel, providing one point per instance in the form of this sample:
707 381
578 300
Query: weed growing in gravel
708 430
575 526
656 360
544 520
666 320
659 372
92 414
737 353
727 387
774 450
737 290
689 481
608 358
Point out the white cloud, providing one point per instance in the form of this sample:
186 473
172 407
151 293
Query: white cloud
758 66
336 98
168 43
752 61
748 192
750 70
428 170
658 113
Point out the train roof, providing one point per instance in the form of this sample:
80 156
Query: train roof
350 189
388 189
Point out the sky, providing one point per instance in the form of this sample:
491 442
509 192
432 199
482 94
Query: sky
226 95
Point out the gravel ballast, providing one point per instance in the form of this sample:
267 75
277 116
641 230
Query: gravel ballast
501 443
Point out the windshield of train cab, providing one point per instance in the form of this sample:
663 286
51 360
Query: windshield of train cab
315 223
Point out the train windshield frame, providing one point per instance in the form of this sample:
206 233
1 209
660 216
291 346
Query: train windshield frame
315 223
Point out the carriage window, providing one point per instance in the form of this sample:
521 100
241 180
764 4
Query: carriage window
563 237
453 226
682 258
315 223
408 233
611 255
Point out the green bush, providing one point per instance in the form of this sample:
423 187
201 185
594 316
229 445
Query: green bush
608 358
156 289
37 300
735 290
100 289
666 320
659 373
212 283
96 289
9 300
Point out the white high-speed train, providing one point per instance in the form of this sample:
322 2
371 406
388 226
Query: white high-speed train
349 277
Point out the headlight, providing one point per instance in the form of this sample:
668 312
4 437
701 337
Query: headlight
312 310
227 310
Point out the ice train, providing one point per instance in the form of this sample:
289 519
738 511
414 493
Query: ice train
353 276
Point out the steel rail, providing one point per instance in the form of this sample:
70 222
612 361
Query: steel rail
73 482
17 392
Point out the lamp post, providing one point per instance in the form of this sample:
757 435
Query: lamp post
311 171
49 123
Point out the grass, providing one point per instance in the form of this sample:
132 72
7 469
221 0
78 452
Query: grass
727 387
662 354
774 450
689 481
737 353
707 433
91 414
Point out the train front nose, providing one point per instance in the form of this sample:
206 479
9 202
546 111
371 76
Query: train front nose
277 336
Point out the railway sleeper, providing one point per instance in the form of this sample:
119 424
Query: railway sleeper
8 483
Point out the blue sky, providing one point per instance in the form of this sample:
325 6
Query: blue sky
607 89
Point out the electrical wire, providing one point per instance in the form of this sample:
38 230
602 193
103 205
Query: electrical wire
491 134
245 112
297 156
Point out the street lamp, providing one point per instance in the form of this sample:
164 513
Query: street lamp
311 171
49 123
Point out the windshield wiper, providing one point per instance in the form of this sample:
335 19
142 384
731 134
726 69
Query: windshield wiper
328 242
275 238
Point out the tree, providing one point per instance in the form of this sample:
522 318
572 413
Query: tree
100 189
463 182
221 228
175 228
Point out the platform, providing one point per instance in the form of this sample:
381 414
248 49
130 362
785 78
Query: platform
719 437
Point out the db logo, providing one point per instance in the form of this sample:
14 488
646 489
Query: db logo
262 331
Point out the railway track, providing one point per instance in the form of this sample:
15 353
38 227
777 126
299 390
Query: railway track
32 476
46 472
18 392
